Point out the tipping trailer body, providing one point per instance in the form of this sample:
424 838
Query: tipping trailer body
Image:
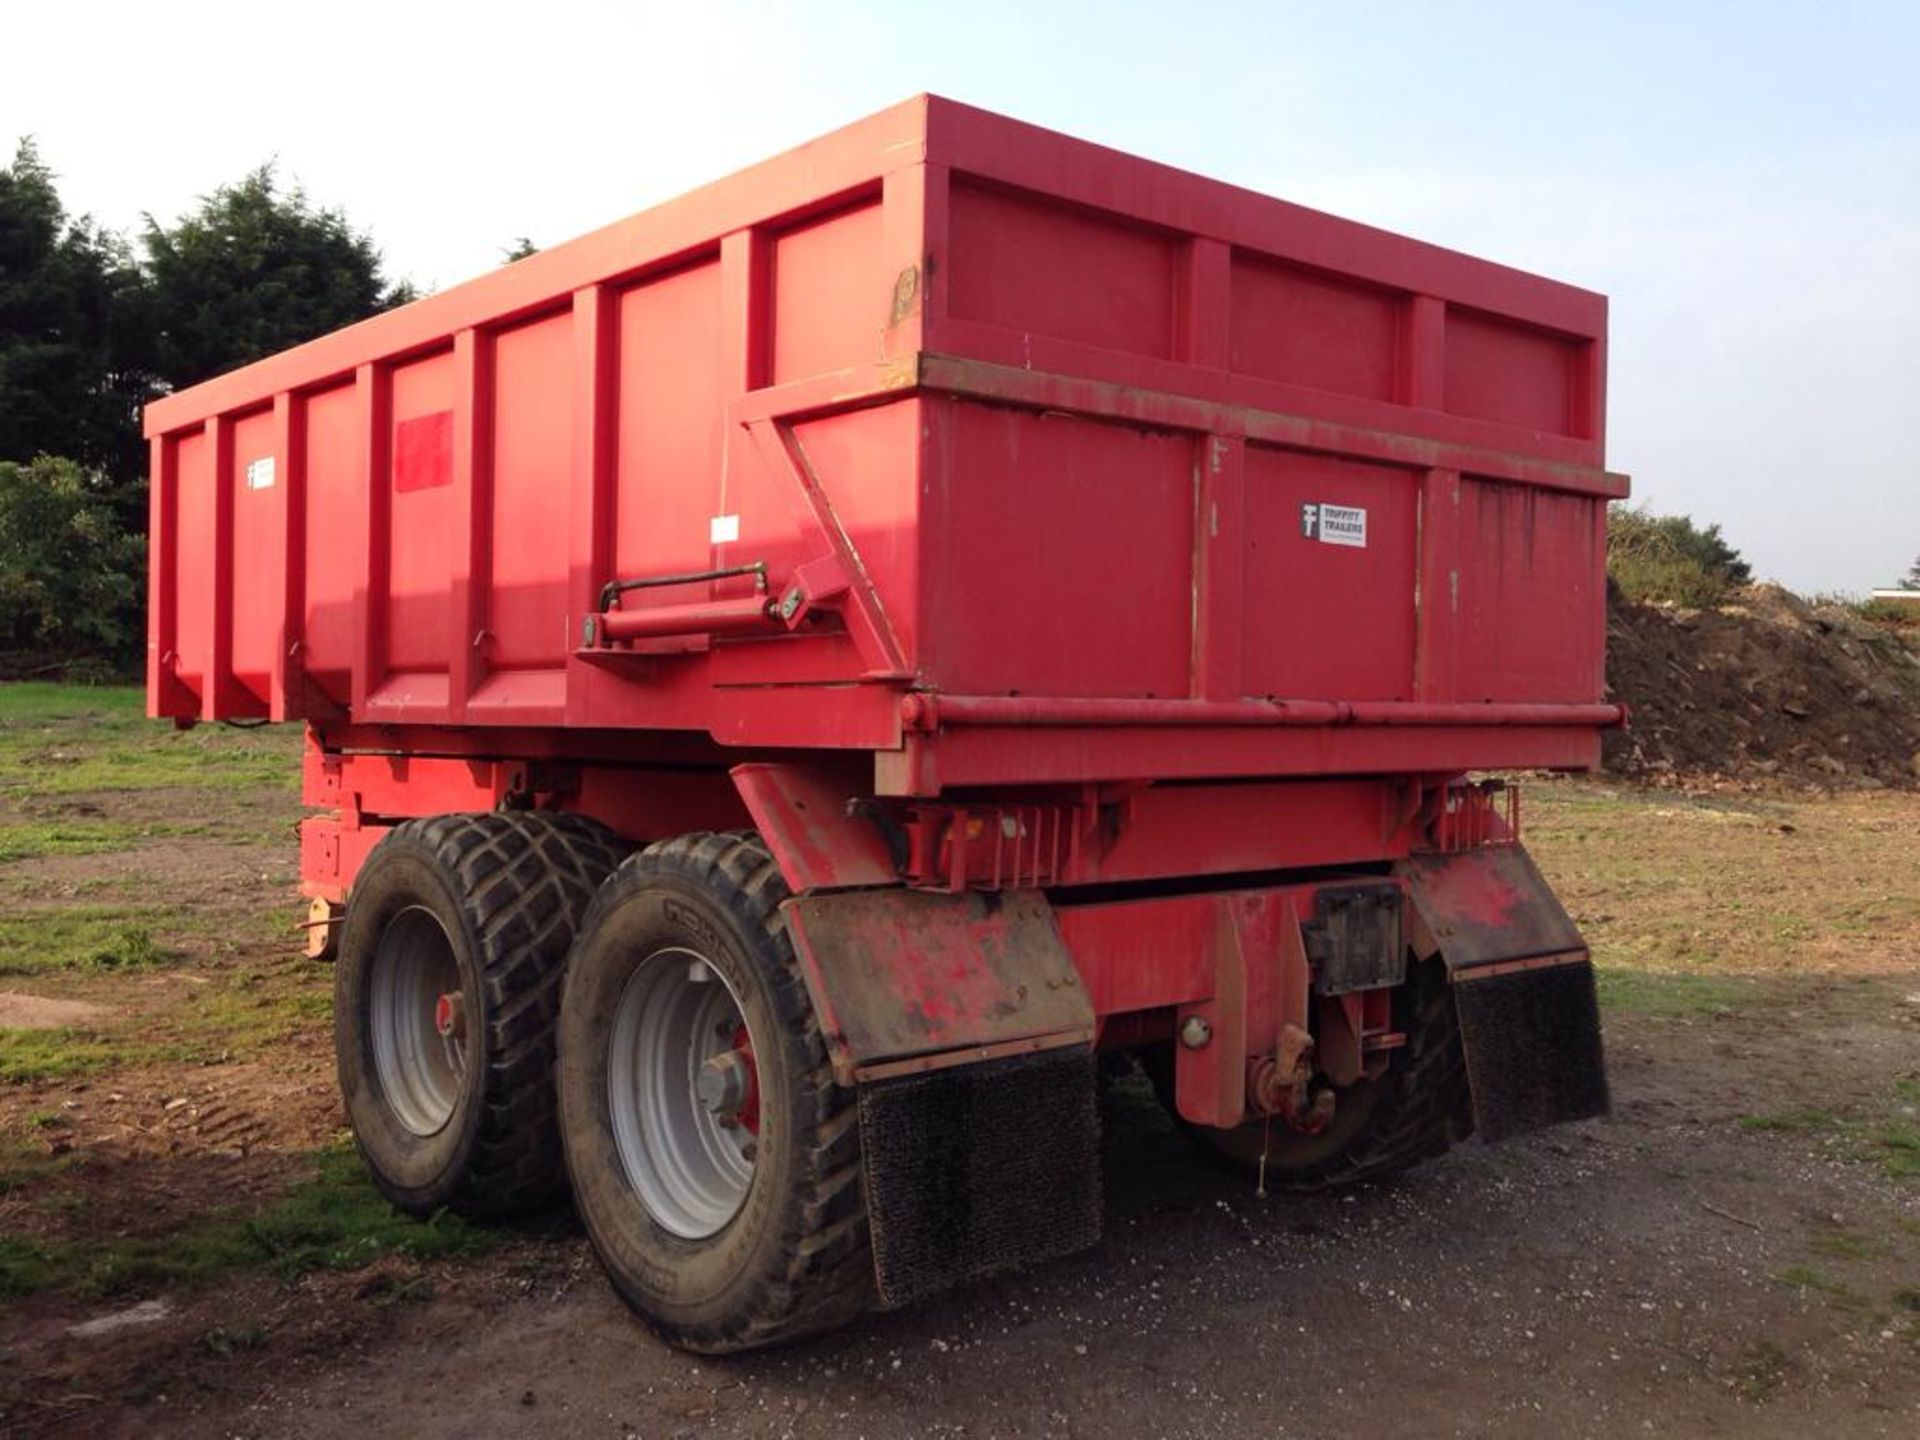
1073 568
1056 413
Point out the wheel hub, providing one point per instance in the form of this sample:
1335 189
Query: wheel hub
722 1085
684 1091
417 1021
450 1016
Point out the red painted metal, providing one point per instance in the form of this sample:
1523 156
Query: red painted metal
748 1115
1485 906
907 981
711 617
995 846
1493 968
926 713
786 365
949 500
1468 816
828 834
809 819
935 979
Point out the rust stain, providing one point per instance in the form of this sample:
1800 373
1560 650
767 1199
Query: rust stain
906 295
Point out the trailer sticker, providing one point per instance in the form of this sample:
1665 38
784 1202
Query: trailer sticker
1334 524
260 473
723 529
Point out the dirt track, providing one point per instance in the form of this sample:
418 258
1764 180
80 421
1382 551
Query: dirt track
1620 1277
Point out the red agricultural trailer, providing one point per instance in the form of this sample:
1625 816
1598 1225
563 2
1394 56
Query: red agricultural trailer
791 676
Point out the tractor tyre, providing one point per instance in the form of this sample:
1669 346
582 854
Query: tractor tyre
446 995
715 1163
1412 1113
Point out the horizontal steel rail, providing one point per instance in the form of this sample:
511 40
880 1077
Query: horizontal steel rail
925 713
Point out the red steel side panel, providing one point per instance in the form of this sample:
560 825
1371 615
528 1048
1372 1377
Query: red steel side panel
336 521
191 570
259 529
412 613
530 425
1531 606
1033 266
669 418
1331 621
826 312
1060 553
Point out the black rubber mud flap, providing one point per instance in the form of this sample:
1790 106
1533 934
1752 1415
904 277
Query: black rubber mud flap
980 1168
1522 986
1532 1042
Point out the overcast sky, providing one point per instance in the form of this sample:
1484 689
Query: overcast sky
1742 179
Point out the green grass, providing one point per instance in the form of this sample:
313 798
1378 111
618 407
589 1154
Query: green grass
1805 1277
236 1015
1893 1142
70 739
1730 886
32 839
70 1052
1890 613
1898 1142
259 1011
334 1220
245 1017
85 938
33 701
1670 995
1846 1245
99 938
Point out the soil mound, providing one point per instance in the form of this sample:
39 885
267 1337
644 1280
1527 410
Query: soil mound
1768 688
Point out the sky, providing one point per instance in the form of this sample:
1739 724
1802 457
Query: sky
1742 180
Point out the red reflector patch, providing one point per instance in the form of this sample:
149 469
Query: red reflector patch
423 451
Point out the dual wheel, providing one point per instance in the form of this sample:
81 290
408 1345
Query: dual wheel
517 1006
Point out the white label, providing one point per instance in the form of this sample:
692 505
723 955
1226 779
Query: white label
723 529
1334 524
260 474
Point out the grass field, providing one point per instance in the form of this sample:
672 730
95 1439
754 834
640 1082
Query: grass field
149 875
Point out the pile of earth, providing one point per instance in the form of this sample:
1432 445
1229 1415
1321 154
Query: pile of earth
1767 688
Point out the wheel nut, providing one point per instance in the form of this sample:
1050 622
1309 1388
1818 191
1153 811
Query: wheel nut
1195 1032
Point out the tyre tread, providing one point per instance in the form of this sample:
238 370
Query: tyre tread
526 879
826 1273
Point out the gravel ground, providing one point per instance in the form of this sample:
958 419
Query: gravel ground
1674 1269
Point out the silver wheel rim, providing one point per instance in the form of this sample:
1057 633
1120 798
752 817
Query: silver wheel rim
690 1160
418 1021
